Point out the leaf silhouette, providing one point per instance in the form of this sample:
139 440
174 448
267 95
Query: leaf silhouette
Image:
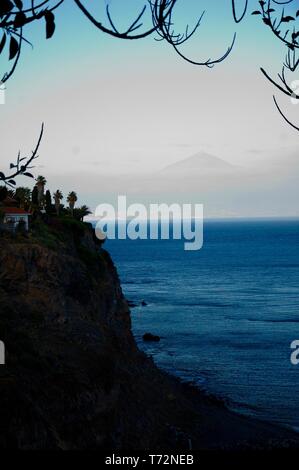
19 4
50 24
20 19
2 175
286 19
256 12
13 48
28 174
5 7
2 43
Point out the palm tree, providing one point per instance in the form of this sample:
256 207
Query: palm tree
83 211
40 184
58 196
10 193
23 195
34 197
72 199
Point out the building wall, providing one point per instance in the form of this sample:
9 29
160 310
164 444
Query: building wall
15 219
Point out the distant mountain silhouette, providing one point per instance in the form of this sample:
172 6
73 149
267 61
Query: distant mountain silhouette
199 163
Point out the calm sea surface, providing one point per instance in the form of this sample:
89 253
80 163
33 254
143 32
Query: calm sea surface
226 314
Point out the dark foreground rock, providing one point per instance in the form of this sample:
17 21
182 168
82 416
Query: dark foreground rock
74 378
150 337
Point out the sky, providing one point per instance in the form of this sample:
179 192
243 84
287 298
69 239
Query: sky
115 111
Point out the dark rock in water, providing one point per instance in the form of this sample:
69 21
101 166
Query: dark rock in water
150 337
133 304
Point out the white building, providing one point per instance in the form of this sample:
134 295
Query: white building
14 215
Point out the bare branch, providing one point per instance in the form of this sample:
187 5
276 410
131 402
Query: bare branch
238 20
167 33
22 164
287 90
276 19
114 32
284 116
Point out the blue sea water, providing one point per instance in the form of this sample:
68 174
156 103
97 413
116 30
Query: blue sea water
227 313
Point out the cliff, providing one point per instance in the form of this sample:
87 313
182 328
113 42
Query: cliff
74 378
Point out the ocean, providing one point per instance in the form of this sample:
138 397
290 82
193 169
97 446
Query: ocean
226 314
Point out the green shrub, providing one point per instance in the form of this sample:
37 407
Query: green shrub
74 225
43 234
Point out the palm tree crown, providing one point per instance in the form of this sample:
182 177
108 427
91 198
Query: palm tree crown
23 195
83 211
40 184
72 199
41 181
58 196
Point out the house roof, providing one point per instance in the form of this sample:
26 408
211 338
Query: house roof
14 210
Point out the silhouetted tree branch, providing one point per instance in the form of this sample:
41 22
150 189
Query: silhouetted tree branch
14 18
283 115
240 18
114 31
165 29
274 16
22 165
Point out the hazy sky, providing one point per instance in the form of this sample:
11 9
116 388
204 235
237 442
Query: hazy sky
123 107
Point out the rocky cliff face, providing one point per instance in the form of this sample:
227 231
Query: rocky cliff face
72 373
